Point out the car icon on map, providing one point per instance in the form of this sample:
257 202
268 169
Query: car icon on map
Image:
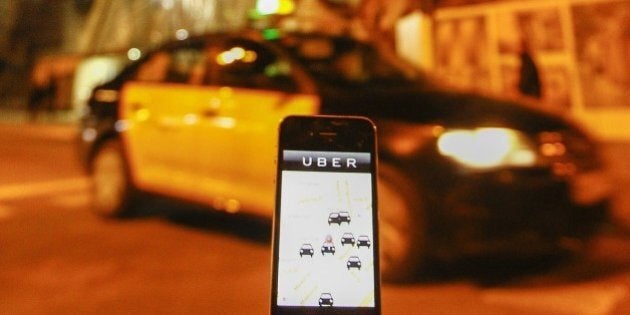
328 248
347 238
339 217
353 262
363 240
306 249
325 299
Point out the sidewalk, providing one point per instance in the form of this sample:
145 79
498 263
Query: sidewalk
56 126
19 116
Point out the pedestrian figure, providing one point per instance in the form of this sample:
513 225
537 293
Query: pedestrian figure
43 89
529 78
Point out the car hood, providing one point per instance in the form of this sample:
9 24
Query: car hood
448 108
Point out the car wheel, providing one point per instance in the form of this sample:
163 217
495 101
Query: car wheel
401 230
111 189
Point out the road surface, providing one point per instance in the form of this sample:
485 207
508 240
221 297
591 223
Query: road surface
56 257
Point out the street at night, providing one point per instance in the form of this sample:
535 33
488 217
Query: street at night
315 157
56 256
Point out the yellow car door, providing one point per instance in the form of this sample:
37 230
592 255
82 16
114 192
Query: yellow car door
158 131
251 91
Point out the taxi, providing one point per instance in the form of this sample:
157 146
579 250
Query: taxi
460 174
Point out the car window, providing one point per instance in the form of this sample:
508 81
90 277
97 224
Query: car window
347 63
247 64
155 68
185 65
177 66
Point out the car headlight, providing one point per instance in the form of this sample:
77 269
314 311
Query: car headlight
484 148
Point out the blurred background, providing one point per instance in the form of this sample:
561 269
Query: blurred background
54 52
580 47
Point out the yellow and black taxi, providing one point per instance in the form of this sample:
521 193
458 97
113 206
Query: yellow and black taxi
459 174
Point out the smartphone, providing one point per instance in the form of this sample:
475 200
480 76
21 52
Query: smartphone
325 227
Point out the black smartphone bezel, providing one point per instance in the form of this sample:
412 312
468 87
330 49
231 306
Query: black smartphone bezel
326 133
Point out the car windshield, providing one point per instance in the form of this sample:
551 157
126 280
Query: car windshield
343 62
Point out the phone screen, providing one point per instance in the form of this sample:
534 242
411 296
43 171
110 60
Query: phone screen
326 253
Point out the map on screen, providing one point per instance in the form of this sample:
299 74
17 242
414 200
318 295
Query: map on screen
326 255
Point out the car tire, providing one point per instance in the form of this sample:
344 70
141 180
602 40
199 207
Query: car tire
402 227
112 192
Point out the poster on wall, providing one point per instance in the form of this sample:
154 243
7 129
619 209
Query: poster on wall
580 49
541 29
461 47
556 86
539 34
602 40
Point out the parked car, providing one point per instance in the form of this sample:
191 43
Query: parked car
460 174
306 249
363 240
339 217
328 247
325 299
353 262
347 238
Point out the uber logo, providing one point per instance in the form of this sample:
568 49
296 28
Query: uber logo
326 161
336 162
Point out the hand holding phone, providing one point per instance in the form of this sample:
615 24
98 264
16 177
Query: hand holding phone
325 234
